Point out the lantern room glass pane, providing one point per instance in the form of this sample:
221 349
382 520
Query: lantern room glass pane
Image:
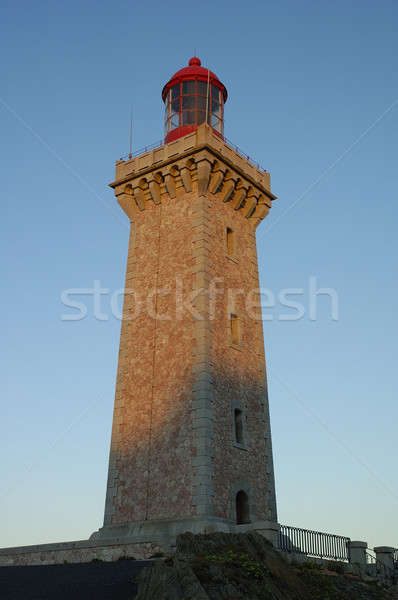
202 88
175 121
216 123
215 93
188 117
200 116
175 91
201 102
188 87
167 126
188 102
215 107
175 105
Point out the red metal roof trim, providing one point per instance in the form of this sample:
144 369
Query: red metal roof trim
194 71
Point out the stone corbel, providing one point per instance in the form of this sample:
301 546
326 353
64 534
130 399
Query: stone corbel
203 172
139 196
186 178
251 203
262 209
261 212
216 179
154 189
170 184
239 197
228 188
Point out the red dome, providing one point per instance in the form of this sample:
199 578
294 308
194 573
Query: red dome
195 71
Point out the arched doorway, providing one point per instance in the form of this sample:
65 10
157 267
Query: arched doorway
242 508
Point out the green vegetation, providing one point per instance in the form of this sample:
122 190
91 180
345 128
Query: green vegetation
240 561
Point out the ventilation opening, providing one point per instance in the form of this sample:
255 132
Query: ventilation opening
235 331
238 421
230 242
242 508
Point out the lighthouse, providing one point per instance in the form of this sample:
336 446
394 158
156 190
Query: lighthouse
191 440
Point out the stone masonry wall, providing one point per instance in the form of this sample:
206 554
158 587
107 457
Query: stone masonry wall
152 434
239 371
75 552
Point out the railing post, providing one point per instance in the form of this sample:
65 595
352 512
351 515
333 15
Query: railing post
385 554
357 552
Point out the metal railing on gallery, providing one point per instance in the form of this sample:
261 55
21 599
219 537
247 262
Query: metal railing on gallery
313 543
161 142
143 150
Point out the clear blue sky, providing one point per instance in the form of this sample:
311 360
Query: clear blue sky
310 83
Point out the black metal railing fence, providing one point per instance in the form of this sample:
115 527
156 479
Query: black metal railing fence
313 543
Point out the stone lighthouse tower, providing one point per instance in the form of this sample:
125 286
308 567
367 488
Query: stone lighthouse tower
191 443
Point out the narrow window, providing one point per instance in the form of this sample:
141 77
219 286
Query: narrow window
242 508
230 242
238 423
235 331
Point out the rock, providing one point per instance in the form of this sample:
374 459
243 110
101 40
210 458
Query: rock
245 566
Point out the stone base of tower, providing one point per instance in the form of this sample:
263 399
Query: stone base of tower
164 532
140 540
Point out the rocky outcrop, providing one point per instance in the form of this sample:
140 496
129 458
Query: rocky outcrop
245 567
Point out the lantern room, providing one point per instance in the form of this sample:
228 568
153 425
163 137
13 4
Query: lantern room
194 95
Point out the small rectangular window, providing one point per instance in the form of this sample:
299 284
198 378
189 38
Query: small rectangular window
238 426
235 330
230 242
